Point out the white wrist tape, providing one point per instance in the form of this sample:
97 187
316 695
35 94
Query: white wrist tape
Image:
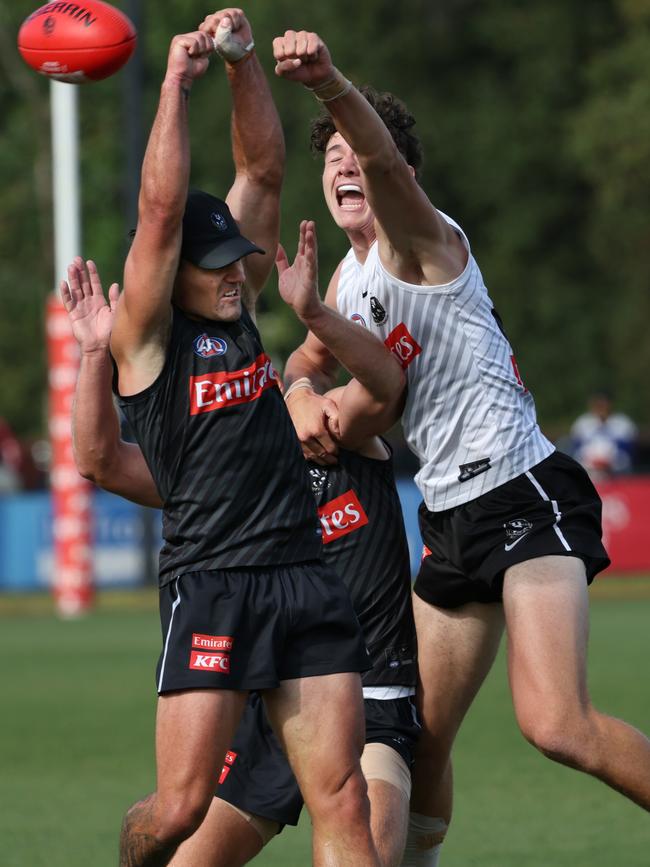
228 47
303 382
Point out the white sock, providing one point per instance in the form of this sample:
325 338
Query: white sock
424 841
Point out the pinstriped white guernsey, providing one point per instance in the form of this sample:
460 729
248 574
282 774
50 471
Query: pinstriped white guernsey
468 417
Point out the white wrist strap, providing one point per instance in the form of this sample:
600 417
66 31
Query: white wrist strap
303 382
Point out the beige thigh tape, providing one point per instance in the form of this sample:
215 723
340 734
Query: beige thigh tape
381 762
266 828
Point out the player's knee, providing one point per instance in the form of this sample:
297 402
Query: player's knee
181 818
564 738
345 799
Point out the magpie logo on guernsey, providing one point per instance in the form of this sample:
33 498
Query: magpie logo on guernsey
228 762
213 391
207 347
218 662
379 315
318 479
403 345
516 530
341 516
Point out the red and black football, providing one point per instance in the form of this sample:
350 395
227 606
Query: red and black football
77 42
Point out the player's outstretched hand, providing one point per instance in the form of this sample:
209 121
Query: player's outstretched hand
298 283
90 315
303 57
230 32
189 56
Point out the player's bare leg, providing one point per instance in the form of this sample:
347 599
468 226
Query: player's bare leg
546 608
193 731
228 837
320 723
389 786
456 649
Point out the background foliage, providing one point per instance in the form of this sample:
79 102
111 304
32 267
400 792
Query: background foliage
536 123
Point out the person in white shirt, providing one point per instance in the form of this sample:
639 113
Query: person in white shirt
511 527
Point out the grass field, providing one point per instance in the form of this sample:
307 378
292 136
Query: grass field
76 745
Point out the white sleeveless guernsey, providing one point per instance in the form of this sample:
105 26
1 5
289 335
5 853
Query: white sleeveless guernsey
468 416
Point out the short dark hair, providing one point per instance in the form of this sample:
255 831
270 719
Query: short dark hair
395 116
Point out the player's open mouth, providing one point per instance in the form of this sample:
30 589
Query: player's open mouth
350 197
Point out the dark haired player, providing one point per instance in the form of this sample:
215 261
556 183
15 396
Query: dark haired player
511 526
245 602
364 540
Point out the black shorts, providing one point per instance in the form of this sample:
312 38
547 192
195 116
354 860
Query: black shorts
257 777
252 628
551 509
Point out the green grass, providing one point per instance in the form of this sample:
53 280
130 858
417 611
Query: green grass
76 746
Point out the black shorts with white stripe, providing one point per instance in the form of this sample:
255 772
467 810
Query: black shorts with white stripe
253 628
552 509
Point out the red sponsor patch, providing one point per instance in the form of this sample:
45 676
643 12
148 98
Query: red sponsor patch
229 761
218 390
212 642
515 370
425 552
218 662
403 345
341 516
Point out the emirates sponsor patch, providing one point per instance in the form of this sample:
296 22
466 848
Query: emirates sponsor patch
228 762
341 516
403 345
212 642
213 391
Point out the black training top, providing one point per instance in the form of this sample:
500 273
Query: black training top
365 542
223 452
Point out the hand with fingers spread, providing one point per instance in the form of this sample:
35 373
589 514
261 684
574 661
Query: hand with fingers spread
303 57
231 34
90 315
189 56
298 283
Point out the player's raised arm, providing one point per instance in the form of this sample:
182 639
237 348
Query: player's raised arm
378 373
143 318
257 143
100 454
415 243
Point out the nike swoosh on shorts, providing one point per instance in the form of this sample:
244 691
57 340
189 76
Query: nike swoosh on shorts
516 542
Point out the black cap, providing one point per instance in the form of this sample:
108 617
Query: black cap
211 237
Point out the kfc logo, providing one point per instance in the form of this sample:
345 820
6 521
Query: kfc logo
229 761
341 516
212 642
403 345
218 662
218 390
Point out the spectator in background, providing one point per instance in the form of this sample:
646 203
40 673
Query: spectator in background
602 440
10 460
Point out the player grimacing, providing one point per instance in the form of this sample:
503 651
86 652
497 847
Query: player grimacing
511 527
365 543
242 591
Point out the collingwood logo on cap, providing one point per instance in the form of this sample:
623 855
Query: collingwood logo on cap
218 221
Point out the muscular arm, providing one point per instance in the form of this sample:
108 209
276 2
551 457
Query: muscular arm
258 152
415 243
101 455
379 380
143 317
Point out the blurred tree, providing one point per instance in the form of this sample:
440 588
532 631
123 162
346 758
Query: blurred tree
535 123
